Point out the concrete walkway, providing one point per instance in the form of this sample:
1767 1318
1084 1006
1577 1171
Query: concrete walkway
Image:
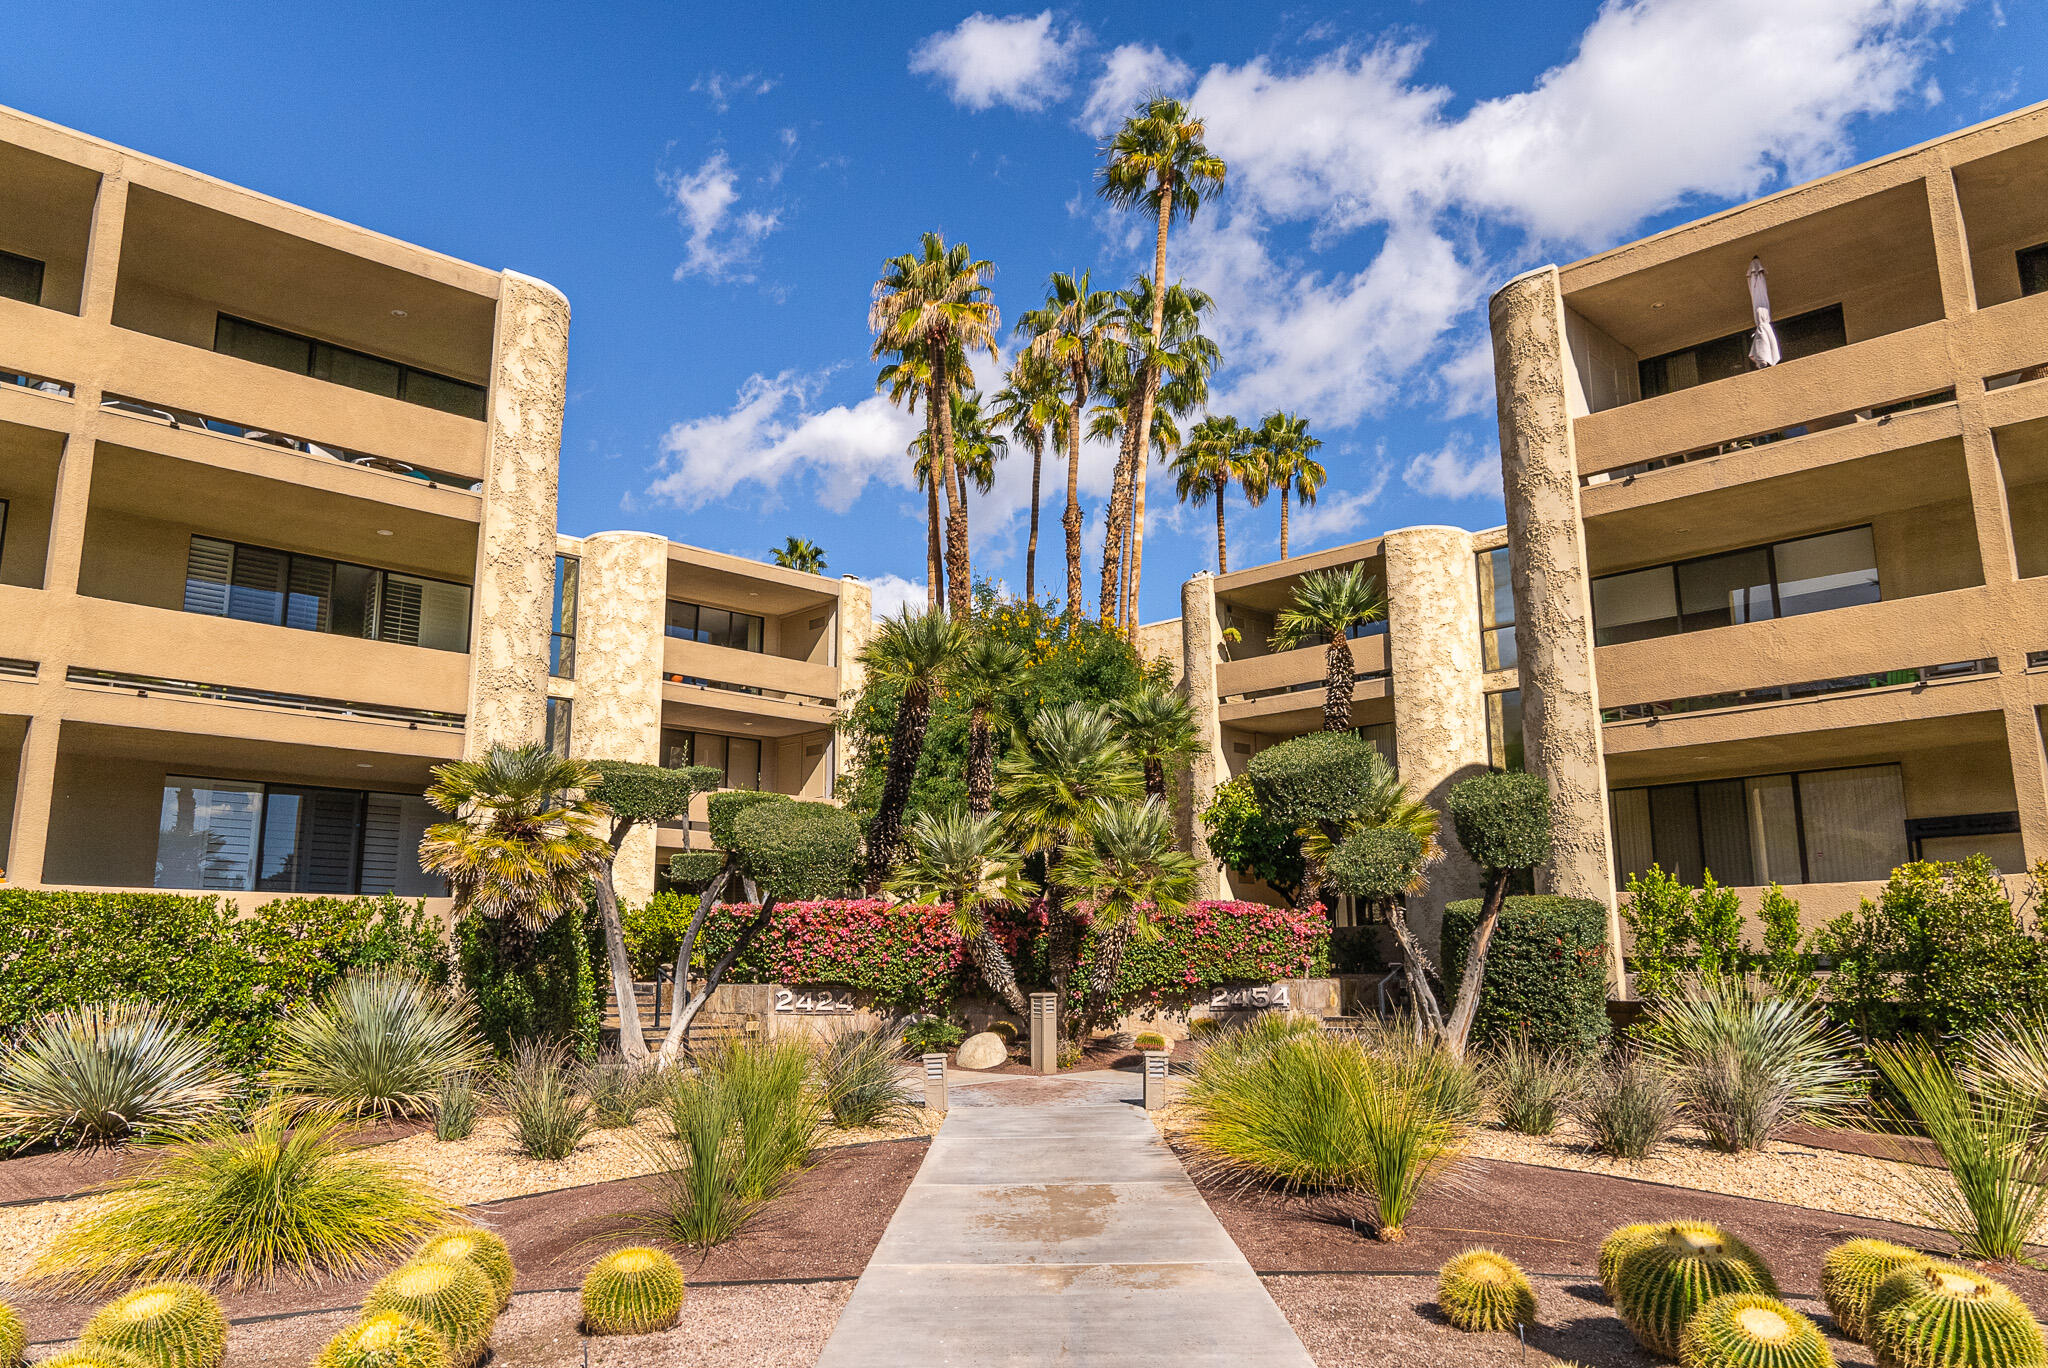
1049 1224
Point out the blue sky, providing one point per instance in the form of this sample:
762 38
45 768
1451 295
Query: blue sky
715 186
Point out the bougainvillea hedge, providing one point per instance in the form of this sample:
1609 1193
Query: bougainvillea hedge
908 955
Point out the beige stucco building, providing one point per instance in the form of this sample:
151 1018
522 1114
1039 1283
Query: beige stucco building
278 536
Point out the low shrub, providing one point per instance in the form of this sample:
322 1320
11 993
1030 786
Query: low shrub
379 1043
1482 1291
102 1073
455 1106
287 1197
858 1075
1627 1106
535 986
389 1339
474 1245
1747 1066
1150 1042
537 1091
169 1325
1067 1055
931 1035
654 931
1546 972
454 1299
619 1088
1530 1087
632 1292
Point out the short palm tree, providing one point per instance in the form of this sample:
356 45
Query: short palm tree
1031 406
1159 727
968 861
1131 868
1327 604
1069 332
1288 452
912 652
799 553
521 839
985 672
1216 455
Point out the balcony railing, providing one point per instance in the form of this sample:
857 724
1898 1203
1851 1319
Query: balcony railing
42 384
188 421
1817 688
1780 434
145 685
11 668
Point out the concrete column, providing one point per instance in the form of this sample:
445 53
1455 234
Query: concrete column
515 561
1439 707
35 786
855 628
1553 604
1200 639
621 602
73 495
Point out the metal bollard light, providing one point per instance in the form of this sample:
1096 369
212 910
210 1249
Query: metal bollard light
1045 1033
934 1082
1157 1065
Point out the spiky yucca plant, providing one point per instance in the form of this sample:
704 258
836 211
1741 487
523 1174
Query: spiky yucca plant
106 1072
379 1043
389 1339
452 1298
13 1337
1619 1246
1483 1291
171 1325
1940 1315
471 1244
93 1356
1851 1273
632 1292
1686 1265
1749 1330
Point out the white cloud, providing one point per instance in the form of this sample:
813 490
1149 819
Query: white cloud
772 433
893 593
1334 515
1128 73
1455 471
720 240
719 88
1020 60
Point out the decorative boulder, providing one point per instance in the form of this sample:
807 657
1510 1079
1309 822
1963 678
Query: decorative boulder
984 1051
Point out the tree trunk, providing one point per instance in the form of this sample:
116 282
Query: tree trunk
992 962
1141 473
1428 1016
934 564
959 579
966 532
1110 943
981 763
1343 677
688 1008
1283 522
1031 546
1114 520
632 1036
1071 519
913 715
1466 1008
1222 558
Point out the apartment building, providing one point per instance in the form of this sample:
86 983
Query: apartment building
1785 623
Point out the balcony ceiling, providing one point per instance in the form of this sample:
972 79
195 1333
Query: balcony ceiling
2005 196
1840 746
2023 452
227 757
744 586
746 717
1269 588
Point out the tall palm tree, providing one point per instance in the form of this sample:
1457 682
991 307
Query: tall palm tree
1030 405
1216 455
1291 466
938 302
1116 420
985 672
1132 869
1070 331
1177 359
969 861
1327 604
1065 763
1158 159
906 380
521 837
912 652
1159 727
977 446
800 553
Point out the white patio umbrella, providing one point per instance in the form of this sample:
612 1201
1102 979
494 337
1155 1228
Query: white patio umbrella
1763 343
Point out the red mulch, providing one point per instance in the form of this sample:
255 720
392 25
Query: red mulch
50 1174
825 1226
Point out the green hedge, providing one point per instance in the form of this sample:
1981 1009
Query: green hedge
229 975
1546 972
529 986
690 870
723 809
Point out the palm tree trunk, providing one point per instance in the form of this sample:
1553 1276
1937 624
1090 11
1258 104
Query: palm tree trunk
981 763
966 530
934 564
1071 519
1155 777
1113 524
1222 556
959 584
913 715
1031 546
1110 942
993 964
1142 465
1283 522
1343 677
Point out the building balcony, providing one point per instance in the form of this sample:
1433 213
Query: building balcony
722 668
1261 678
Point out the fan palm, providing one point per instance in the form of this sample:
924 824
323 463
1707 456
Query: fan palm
1159 727
521 839
1288 452
1327 605
799 553
1030 405
1069 331
910 651
1216 455
985 672
967 860
937 303
1132 869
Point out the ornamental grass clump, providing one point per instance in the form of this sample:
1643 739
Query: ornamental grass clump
168 1325
1750 1330
537 1091
1480 1290
857 1074
389 1339
455 1107
103 1073
779 1114
1663 1282
379 1043
1628 1106
452 1298
1746 1066
619 1089
632 1292
473 1244
1530 1087
285 1198
1938 1315
1850 1275
698 1162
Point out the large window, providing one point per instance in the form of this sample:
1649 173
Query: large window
1504 730
1816 826
343 366
738 758
257 584
1801 335
1783 579
1496 610
2033 270
562 640
228 835
21 278
714 626
561 714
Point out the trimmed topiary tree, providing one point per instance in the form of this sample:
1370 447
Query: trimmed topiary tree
170 1325
1480 1290
724 809
472 1244
389 1339
1941 1315
1850 1275
692 869
1311 780
452 1298
1749 1330
1503 821
1687 1264
632 1292
1546 975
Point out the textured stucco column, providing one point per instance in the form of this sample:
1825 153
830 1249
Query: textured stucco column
1439 709
1200 638
515 558
622 598
856 628
1553 606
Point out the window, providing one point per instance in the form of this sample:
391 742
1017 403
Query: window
1496 610
257 584
344 366
738 758
226 835
1783 579
1816 826
21 278
1504 730
3 531
714 626
560 716
2033 271
562 640
1801 335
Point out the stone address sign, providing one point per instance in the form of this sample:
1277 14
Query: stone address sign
814 1001
1249 997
